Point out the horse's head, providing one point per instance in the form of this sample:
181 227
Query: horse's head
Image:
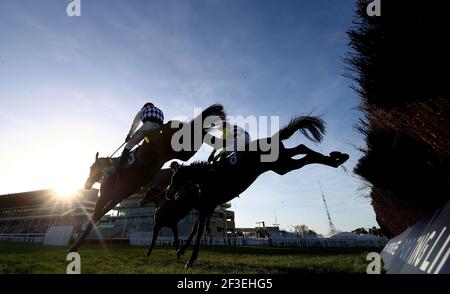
96 170
154 195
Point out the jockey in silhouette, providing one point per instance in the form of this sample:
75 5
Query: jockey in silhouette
235 138
151 118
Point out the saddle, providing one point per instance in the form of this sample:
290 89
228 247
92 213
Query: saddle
138 155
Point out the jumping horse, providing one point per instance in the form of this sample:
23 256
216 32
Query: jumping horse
144 163
203 186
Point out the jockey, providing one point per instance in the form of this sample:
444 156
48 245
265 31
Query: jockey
151 118
235 138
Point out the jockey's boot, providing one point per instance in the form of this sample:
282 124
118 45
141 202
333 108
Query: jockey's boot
122 161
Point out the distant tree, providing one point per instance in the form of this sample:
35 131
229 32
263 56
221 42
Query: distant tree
377 232
373 231
360 231
303 231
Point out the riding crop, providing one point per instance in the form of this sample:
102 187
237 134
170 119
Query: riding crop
117 150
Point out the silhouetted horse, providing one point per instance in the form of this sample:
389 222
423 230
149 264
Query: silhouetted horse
203 186
157 196
144 162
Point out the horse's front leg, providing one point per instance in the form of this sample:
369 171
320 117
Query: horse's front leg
208 222
98 214
156 230
111 204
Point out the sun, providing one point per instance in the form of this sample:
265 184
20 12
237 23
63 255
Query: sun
67 176
66 191
68 184
60 161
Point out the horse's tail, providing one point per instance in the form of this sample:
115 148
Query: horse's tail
214 111
311 127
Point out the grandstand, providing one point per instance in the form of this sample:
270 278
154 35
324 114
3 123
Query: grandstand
29 216
26 217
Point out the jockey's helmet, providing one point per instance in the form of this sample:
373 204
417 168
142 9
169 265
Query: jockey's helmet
174 165
147 104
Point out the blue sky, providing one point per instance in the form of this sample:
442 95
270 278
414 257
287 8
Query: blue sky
70 86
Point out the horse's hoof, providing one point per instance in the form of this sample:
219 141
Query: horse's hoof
338 158
188 265
180 253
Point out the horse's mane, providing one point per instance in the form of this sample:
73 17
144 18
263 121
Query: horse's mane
199 163
195 171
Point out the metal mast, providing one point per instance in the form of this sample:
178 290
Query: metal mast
333 230
276 222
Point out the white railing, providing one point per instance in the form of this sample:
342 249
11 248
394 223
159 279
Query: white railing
276 242
140 240
23 238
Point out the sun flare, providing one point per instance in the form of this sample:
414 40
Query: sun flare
68 186
66 191
69 182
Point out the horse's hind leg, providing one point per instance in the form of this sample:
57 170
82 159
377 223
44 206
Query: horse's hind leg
201 226
208 222
175 237
300 149
182 250
335 159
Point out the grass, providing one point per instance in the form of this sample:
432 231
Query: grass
18 258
